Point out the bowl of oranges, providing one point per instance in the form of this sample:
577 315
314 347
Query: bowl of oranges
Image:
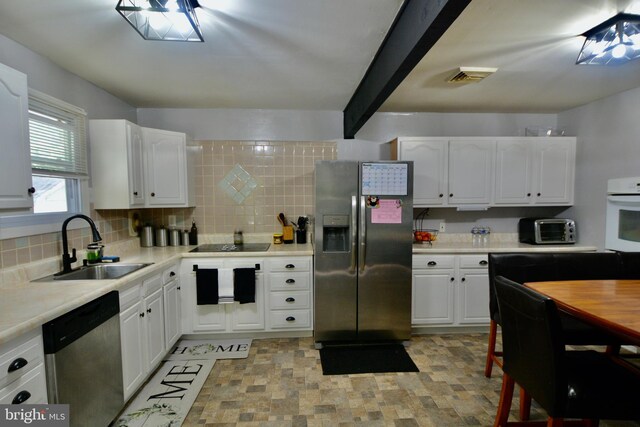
425 236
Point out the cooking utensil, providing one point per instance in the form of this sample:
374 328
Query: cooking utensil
282 219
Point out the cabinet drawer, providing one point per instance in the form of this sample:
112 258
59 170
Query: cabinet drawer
152 284
474 261
33 387
289 300
20 356
169 274
290 319
290 264
433 261
129 297
289 281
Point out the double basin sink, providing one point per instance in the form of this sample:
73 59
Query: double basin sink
97 272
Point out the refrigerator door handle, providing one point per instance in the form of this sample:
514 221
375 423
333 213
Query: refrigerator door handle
354 232
362 253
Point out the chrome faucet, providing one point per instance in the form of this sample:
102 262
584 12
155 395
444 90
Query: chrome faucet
67 259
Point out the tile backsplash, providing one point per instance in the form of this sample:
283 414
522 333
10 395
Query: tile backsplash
112 224
245 184
238 185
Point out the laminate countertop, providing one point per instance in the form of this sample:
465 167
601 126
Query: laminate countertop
30 304
468 248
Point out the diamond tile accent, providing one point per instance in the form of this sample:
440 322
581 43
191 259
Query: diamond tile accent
238 184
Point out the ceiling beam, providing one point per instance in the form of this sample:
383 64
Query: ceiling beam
417 27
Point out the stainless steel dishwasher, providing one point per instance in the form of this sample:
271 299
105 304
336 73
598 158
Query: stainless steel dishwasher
83 361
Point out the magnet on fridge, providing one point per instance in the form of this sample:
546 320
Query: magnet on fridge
372 201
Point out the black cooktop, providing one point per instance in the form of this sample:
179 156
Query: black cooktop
229 247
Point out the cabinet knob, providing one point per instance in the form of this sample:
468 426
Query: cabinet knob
21 397
441 195
135 193
153 194
172 274
432 263
178 288
19 363
289 266
290 299
463 279
451 279
142 314
148 310
483 262
539 194
31 190
528 194
290 319
450 194
290 281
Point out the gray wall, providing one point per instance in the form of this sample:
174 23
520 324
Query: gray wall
249 125
47 77
608 146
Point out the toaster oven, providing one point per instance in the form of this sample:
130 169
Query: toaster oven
547 231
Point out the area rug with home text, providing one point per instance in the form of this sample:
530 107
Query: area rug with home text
234 348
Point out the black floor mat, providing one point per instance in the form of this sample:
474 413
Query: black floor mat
362 359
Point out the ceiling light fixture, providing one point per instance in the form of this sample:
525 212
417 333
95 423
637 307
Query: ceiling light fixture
172 20
615 41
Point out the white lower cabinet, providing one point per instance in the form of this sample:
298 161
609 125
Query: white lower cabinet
290 296
142 332
450 290
171 291
283 297
22 375
221 318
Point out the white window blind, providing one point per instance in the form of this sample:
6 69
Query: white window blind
57 134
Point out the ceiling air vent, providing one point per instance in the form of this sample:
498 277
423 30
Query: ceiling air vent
471 74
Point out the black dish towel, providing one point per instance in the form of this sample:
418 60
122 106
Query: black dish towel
207 286
244 285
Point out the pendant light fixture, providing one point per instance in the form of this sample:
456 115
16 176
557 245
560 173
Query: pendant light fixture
615 41
172 20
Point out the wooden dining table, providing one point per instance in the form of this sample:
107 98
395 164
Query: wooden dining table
610 304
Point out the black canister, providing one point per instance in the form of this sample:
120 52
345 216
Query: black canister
193 234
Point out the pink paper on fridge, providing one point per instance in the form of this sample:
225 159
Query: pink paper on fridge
389 211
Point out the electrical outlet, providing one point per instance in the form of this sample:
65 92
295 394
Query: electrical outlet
443 227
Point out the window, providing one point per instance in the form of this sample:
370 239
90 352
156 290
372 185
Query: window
57 138
58 153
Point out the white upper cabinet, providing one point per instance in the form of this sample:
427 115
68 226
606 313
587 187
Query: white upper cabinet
429 169
470 171
535 171
117 164
135 167
484 171
15 161
166 166
554 170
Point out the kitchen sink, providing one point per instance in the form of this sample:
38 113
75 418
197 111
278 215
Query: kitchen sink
97 272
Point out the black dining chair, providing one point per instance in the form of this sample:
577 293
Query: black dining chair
585 385
539 267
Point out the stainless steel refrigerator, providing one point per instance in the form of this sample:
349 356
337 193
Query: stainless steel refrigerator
362 257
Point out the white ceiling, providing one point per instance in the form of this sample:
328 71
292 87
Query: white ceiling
311 54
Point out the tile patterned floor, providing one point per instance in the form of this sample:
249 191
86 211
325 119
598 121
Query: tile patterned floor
281 384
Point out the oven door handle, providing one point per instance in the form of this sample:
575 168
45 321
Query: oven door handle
630 200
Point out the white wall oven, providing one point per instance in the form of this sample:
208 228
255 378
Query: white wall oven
623 215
